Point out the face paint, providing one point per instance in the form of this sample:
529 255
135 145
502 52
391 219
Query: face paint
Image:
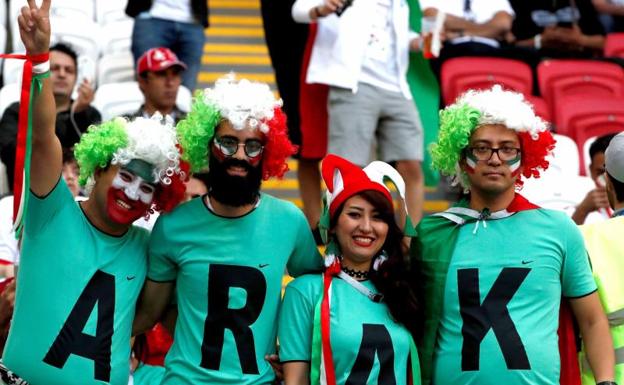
135 187
514 165
129 197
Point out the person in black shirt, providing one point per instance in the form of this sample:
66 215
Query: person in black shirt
558 28
72 116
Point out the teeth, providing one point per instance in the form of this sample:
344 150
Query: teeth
363 239
123 204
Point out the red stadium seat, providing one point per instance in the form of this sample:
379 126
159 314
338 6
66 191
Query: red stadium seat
540 107
563 78
614 45
585 118
463 73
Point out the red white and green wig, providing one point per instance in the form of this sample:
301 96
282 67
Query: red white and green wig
119 141
344 180
494 106
246 105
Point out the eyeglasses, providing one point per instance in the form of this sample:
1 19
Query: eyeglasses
228 145
484 153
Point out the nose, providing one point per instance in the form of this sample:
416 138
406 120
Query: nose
240 152
132 192
365 224
495 159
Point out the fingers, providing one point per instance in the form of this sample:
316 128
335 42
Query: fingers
31 4
45 5
25 19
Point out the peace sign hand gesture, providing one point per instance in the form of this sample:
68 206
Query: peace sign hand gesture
34 27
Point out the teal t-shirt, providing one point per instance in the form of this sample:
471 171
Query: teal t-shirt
501 303
228 274
76 294
148 375
368 346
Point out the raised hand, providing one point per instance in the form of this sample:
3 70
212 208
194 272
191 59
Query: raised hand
34 27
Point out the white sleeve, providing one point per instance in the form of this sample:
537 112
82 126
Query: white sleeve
301 10
8 243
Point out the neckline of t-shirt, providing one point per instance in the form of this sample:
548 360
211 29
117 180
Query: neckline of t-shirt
206 204
98 229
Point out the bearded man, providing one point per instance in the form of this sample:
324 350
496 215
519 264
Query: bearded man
226 251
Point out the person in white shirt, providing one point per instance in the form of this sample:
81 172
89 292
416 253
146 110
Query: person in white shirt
361 51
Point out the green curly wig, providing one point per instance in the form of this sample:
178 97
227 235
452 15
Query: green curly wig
457 122
97 146
196 131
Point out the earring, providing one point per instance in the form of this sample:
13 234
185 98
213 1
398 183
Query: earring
383 257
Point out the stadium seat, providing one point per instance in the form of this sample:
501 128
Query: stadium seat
115 67
115 99
107 11
12 70
565 158
614 45
116 36
463 73
565 78
558 191
73 9
585 118
3 40
540 107
3 14
9 94
81 34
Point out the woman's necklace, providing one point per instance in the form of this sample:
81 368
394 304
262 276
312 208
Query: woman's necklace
357 274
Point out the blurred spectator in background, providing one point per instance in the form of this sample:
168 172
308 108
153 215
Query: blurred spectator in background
72 116
9 250
175 24
471 27
7 302
361 51
159 74
611 14
558 28
595 207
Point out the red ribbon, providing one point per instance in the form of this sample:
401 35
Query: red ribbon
328 359
22 125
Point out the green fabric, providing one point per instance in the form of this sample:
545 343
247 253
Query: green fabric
350 313
148 375
555 263
190 242
432 252
426 93
61 252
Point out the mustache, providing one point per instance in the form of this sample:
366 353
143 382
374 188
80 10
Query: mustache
233 162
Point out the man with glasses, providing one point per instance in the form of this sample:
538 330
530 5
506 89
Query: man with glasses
495 266
227 251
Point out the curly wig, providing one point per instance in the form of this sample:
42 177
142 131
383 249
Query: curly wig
246 105
118 141
494 106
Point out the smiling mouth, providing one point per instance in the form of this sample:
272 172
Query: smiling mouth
236 170
123 204
363 241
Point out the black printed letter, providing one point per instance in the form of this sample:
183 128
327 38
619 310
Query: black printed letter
71 340
220 317
375 341
492 313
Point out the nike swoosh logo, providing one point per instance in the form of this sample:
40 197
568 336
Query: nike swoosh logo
263 265
526 262
130 277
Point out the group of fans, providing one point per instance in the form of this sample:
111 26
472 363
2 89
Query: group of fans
478 301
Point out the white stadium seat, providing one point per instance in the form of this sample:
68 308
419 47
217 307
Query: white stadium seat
73 9
3 40
82 35
116 36
9 94
183 99
115 67
12 70
108 11
117 99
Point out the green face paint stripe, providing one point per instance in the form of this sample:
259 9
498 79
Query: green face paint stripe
141 168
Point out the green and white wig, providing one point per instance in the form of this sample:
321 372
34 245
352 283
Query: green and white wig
119 141
244 104
486 107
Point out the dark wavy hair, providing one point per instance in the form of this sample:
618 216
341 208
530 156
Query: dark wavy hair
394 279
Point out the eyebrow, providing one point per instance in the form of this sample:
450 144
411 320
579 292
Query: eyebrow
485 141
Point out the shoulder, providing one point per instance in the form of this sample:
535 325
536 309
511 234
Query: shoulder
307 285
276 204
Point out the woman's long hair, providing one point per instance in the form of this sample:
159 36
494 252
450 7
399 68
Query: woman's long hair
393 279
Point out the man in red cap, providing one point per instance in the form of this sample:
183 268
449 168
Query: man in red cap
159 73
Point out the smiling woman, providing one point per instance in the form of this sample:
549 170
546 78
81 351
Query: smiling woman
361 310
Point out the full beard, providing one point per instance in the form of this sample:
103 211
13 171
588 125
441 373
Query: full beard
233 190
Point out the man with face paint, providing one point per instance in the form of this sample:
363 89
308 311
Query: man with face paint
494 267
83 264
227 251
